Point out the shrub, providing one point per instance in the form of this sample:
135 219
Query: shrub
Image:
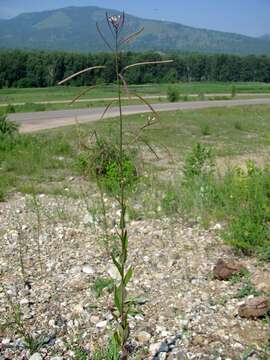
7 127
173 94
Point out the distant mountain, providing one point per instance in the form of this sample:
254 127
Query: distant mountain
265 37
74 29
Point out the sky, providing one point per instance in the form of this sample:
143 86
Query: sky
249 17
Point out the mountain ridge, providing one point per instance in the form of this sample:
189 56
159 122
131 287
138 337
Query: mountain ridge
73 29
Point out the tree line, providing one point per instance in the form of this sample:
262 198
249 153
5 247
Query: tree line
20 68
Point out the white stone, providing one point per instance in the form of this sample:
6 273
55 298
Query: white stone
88 219
87 269
113 272
101 324
36 356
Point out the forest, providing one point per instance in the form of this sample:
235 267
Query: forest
22 69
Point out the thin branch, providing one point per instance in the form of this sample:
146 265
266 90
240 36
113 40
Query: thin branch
147 63
125 84
82 93
79 73
109 24
131 37
103 37
106 109
147 104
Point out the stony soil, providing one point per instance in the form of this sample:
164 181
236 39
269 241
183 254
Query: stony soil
185 313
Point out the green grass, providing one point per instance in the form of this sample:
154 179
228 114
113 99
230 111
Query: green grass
49 156
31 95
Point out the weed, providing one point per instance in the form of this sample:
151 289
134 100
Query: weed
111 352
247 290
206 130
7 127
173 94
102 284
10 109
199 162
118 173
238 125
233 91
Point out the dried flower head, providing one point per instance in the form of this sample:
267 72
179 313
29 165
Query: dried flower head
116 22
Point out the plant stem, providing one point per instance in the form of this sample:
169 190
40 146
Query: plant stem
123 314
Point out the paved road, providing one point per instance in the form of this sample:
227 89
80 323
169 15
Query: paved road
35 121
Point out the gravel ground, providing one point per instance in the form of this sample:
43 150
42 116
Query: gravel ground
50 270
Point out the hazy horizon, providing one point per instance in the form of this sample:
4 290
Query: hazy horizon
249 18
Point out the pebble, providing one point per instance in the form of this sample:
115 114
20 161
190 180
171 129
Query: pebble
101 324
36 356
88 270
143 337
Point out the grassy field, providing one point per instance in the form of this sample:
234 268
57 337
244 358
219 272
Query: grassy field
230 132
211 147
31 95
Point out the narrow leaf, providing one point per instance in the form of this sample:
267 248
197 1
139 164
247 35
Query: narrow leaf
147 104
146 63
82 93
116 263
106 109
103 38
80 72
131 37
125 86
128 275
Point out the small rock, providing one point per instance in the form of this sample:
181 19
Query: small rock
154 348
198 340
223 270
143 337
254 308
88 219
113 272
88 270
101 324
57 358
36 356
5 341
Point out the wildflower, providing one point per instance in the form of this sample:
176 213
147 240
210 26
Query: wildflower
117 22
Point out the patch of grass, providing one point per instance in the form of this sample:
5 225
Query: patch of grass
101 284
7 127
10 95
247 290
206 130
173 94
240 197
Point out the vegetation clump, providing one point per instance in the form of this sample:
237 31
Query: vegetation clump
7 127
173 94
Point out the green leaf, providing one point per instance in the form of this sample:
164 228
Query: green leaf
136 300
117 298
128 275
116 263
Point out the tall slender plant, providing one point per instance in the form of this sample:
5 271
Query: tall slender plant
122 302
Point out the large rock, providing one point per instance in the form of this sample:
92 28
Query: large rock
254 308
224 270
